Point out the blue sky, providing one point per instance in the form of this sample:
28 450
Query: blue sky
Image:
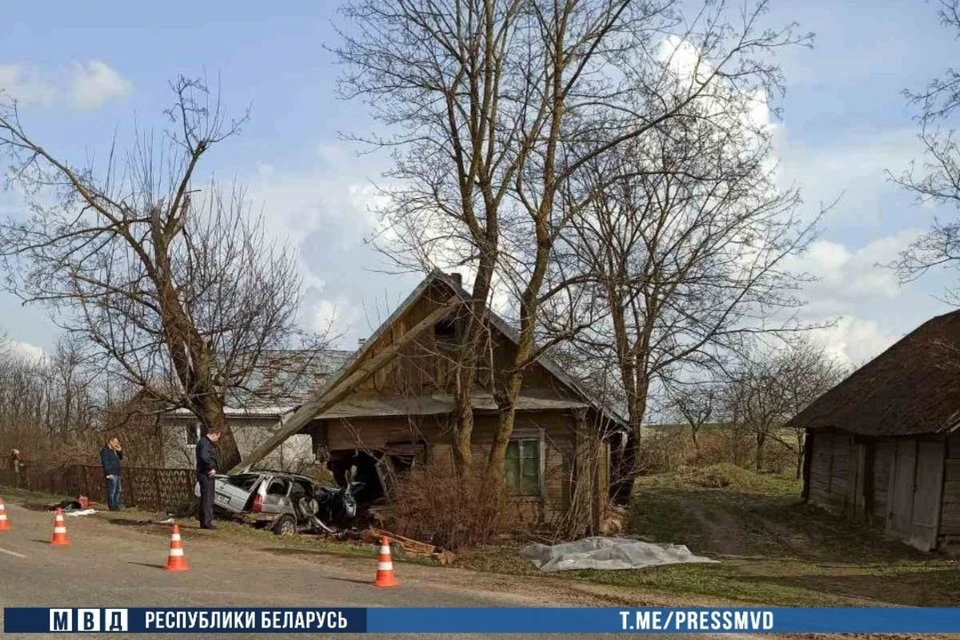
84 69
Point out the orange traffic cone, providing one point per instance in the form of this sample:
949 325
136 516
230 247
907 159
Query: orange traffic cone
176 561
60 538
385 577
4 523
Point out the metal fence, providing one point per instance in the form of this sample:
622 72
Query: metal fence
167 490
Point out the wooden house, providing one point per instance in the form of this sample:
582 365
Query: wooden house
882 447
393 406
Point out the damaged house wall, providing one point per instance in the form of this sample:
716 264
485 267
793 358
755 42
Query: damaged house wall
557 461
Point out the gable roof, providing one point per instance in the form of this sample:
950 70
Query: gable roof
497 322
911 388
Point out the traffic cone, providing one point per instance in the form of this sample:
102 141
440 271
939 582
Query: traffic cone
176 561
4 523
60 538
385 577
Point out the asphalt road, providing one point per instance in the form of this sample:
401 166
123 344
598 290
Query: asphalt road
109 565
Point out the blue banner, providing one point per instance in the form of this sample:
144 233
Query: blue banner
481 620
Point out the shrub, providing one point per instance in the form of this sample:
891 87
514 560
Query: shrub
432 505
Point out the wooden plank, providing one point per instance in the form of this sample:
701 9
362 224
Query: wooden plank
928 485
952 470
306 412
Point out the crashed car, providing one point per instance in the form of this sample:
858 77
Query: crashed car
287 503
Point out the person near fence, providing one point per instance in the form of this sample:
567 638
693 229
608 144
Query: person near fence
17 464
207 464
110 456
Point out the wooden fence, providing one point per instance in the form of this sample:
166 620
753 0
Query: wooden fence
167 490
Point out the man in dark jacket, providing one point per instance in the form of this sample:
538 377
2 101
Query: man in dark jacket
110 457
207 464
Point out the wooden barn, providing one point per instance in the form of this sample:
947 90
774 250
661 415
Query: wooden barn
882 447
392 407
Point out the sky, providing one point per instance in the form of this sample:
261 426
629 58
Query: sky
85 71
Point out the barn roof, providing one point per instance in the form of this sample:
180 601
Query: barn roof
911 388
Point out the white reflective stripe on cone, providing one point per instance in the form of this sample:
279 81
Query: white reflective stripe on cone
59 529
385 551
176 552
176 537
384 566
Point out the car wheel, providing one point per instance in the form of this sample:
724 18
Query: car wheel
285 526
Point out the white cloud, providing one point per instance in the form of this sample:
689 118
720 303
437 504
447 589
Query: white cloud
26 350
850 277
26 85
85 86
854 341
95 83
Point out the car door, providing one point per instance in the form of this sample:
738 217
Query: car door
233 492
275 499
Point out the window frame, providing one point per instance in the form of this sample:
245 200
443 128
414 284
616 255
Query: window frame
521 435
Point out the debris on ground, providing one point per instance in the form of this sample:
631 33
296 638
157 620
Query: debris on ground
409 545
608 554
613 518
81 512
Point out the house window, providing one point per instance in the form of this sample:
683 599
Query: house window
446 334
193 433
523 467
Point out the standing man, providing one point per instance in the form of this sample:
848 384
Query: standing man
17 466
110 457
207 464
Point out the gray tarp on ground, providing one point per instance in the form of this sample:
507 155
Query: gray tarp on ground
608 554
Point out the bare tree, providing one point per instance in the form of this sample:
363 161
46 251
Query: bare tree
935 179
696 405
177 287
770 388
684 251
494 106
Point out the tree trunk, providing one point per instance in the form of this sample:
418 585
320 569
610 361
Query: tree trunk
474 335
508 411
696 445
800 450
624 470
761 440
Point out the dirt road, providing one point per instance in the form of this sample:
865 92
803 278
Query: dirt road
111 563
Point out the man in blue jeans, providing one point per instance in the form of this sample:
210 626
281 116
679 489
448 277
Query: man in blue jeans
110 457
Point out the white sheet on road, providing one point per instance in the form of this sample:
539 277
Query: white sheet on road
608 554
82 512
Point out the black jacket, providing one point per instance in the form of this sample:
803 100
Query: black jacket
110 461
206 456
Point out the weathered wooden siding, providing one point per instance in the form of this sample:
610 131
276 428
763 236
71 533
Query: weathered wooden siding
555 429
893 484
829 470
883 463
950 506
426 366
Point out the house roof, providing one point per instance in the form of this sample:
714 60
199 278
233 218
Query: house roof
909 389
281 381
498 323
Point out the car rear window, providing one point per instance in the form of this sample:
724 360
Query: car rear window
245 481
